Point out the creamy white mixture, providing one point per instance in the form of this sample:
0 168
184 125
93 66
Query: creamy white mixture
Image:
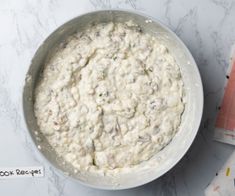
109 98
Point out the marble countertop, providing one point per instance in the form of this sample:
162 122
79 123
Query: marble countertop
206 27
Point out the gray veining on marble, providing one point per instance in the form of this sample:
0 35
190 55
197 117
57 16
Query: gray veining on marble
206 27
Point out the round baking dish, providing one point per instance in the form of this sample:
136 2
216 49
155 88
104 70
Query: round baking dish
166 158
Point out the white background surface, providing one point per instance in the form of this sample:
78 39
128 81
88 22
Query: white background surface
206 27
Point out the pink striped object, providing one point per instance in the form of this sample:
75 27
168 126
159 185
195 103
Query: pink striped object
225 122
226 115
